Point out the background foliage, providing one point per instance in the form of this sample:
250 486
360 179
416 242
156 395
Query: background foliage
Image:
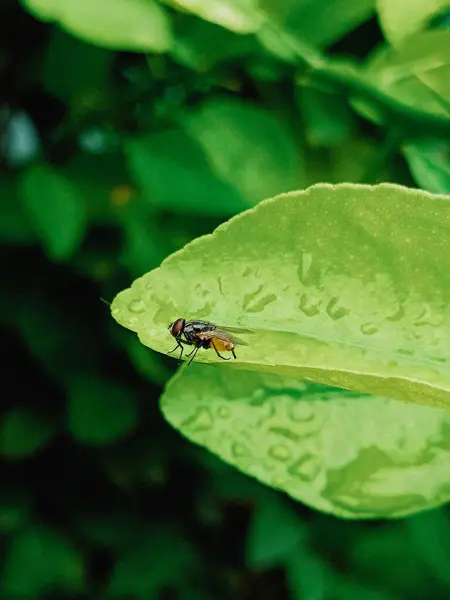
129 128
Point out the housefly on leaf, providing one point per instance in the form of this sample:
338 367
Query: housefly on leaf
202 334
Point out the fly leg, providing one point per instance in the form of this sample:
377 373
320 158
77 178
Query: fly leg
218 354
194 354
179 345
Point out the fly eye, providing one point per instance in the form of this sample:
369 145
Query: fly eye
177 327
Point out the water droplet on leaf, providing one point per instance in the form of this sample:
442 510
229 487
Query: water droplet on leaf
137 306
369 328
309 305
335 311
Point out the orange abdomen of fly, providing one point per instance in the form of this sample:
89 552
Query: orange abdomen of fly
222 345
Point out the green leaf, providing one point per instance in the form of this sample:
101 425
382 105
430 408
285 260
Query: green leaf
99 411
401 19
247 147
202 45
323 23
134 25
417 73
430 534
23 432
41 560
14 510
241 16
147 363
82 76
145 243
56 209
429 161
275 531
347 454
346 285
375 555
104 183
328 118
159 557
15 226
114 530
174 173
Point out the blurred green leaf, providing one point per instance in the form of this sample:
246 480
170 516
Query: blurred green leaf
134 25
174 173
247 147
375 556
327 290
56 209
347 454
401 19
344 163
82 76
99 412
241 16
275 532
417 73
324 22
15 226
160 557
41 560
429 161
114 530
104 183
327 117
147 362
144 244
430 535
309 577
201 45
23 432
14 510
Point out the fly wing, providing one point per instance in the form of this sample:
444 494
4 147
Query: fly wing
234 329
222 334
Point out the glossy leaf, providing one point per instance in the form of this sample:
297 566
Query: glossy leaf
99 412
347 454
135 25
402 18
56 210
346 285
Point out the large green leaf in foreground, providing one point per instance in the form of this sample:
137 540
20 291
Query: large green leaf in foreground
347 285
340 452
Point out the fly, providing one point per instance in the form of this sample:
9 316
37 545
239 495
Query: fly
202 334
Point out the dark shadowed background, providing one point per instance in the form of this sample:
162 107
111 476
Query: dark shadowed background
110 161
